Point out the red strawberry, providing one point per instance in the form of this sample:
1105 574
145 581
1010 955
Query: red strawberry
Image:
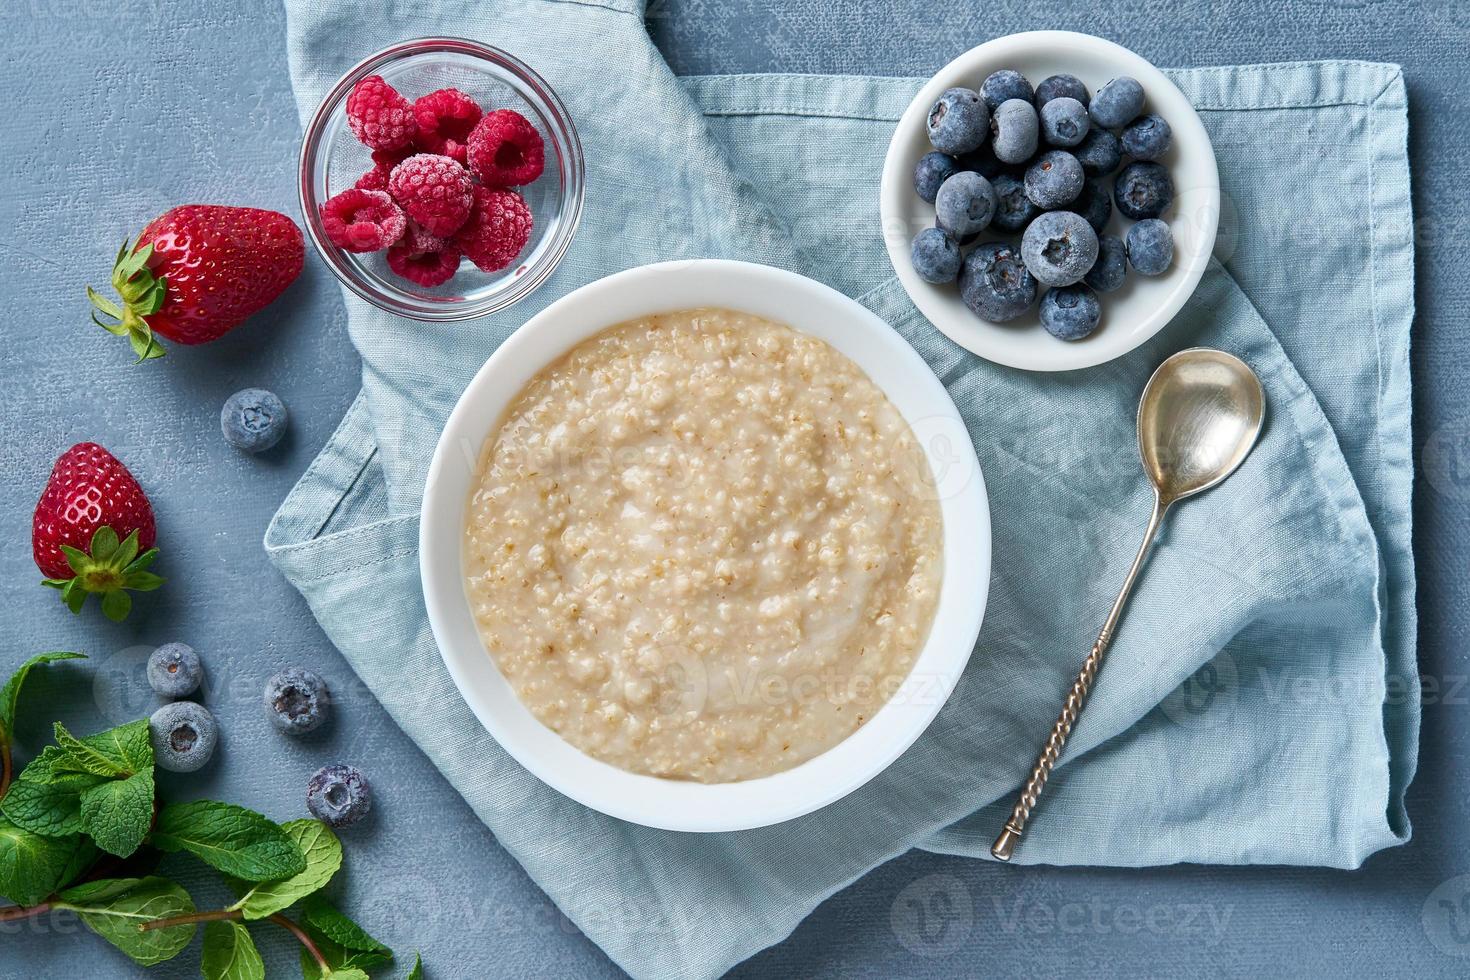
197 272
91 524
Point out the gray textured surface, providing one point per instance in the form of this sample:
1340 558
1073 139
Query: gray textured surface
121 109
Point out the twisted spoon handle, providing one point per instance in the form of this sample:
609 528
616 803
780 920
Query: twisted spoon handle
1010 835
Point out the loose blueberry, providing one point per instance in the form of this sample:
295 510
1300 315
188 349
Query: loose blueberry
1013 209
994 283
1117 103
253 420
1110 269
1150 247
1147 137
174 670
1070 312
1094 203
339 795
1143 190
1061 87
1064 122
964 205
1004 85
932 170
184 734
298 700
1058 248
1100 152
1055 179
957 122
1013 131
936 255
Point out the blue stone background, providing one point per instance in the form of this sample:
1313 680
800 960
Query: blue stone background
119 109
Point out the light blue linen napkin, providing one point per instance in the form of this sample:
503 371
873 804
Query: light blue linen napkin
1260 703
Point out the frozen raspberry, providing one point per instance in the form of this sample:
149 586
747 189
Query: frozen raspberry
505 150
363 221
429 267
434 190
445 119
380 118
384 161
497 230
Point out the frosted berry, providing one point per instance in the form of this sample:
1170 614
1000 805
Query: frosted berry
434 190
445 120
505 150
380 118
497 230
359 220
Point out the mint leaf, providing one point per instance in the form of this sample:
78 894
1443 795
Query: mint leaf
235 840
417 973
116 813
121 751
48 801
10 694
32 866
230 953
323 854
115 909
324 917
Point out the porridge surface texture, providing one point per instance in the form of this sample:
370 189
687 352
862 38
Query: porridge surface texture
703 546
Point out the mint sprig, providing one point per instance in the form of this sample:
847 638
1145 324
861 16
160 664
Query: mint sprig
92 794
112 569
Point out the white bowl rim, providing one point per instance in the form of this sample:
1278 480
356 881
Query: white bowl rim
673 804
1036 350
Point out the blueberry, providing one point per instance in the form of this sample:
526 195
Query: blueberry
1003 85
1147 137
1013 209
1064 122
1150 247
1100 152
1143 190
1054 179
1110 269
1013 131
1059 87
1117 103
184 734
1059 247
994 283
964 205
982 161
298 700
1070 312
1094 203
174 670
339 795
958 121
936 255
932 170
253 420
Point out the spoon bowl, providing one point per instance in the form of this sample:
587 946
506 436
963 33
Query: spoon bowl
1199 416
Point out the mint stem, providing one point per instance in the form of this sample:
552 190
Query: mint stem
184 920
301 935
23 912
5 767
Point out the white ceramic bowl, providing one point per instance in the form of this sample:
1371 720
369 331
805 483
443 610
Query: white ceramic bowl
892 364
1132 314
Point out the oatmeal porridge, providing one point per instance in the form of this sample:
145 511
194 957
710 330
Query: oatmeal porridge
703 546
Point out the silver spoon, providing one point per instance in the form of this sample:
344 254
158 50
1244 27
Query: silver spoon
1199 416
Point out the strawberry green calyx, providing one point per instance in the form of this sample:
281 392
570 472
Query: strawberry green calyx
112 569
142 295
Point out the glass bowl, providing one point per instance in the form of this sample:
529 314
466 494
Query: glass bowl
332 160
